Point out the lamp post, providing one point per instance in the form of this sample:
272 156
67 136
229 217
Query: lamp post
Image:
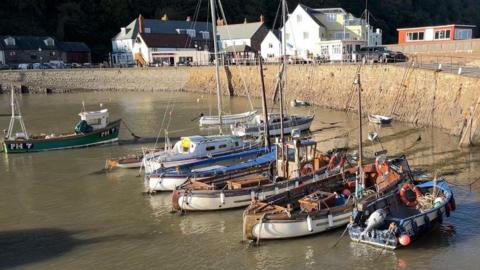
40 53
196 53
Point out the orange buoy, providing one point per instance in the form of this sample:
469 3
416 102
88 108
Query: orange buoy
403 194
404 240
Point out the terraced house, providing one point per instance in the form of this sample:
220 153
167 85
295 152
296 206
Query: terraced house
330 33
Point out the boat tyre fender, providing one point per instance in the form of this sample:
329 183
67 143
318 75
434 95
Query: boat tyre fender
382 168
451 204
307 169
403 194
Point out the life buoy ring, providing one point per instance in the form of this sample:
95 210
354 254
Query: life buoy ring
403 194
307 169
382 168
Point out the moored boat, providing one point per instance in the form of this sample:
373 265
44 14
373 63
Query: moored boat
380 119
94 128
290 123
398 218
229 119
170 179
303 165
320 206
195 148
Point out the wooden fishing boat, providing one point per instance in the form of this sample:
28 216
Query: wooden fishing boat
380 119
229 119
132 161
195 148
396 219
303 165
234 164
320 206
94 128
290 123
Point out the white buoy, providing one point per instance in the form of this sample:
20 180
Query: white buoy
439 67
460 71
222 198
330 220
309 224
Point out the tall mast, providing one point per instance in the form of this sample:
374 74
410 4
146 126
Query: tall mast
217 70
367 20
284 73
360 139
16 115
264 108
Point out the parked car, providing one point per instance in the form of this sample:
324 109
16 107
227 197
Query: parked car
24 66
379 54
76 65
4 66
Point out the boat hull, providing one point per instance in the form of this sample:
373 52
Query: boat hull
109 134
274 130
282 229
228 119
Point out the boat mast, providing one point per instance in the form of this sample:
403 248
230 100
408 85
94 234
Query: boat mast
217 72
360 145
16 115
283 79
264 108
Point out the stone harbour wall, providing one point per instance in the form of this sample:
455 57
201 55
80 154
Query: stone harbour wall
423 97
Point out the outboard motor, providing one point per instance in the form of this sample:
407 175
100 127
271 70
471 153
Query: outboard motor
375 220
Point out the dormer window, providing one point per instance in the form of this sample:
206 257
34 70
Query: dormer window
148 30
205 34
10 41
49 42
191 33
331 17
181 31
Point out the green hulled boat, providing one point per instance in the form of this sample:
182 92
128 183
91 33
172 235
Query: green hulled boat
94 128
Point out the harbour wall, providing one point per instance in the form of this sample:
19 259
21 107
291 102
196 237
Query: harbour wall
419 96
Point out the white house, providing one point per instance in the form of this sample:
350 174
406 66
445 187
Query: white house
124 41
167 49
330 33
248 34
271 47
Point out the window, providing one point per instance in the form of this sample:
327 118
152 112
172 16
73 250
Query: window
299 18
222 146
442 34
305 35
210 148
12 53
205 34
324 50
236 143
287 36
270 45
10 41
342 35
191 33
463 33
412 36
331 17
148 30
49 42
337 49
181 31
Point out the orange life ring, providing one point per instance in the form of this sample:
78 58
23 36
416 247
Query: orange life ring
382 168
403 194
307 169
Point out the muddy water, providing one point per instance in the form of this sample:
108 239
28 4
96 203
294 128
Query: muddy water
60 210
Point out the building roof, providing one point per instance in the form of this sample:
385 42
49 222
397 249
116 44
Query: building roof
73 47
238 31
160 26
437 26
162 40
239 48
314 14
28 43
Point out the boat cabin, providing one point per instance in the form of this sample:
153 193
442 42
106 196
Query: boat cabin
96 119
207 145
297 159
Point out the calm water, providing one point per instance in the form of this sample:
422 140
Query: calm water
60 210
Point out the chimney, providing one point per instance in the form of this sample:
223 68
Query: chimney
188 18
123 30
245 21
141 24
220 22
262 18
164 17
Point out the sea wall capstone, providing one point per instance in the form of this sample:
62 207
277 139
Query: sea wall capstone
423 97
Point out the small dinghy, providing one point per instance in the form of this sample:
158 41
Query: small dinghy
170 179
303 165
229 119
398 218
290 123
132 161
319 206
379 119
298 103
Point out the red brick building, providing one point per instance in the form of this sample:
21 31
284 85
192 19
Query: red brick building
435 33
